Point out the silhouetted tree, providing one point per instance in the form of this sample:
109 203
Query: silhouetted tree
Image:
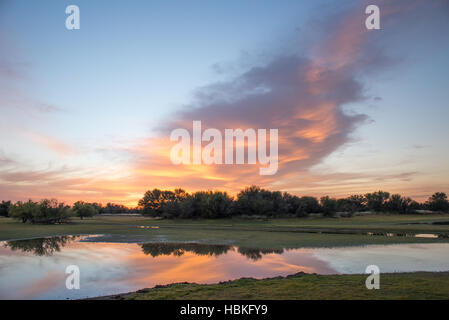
256 201
398 204
329 206
375 201
438 202
302 207
154 200
4 206
252 201
356 202
414 205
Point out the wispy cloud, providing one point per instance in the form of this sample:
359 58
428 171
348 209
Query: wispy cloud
61 148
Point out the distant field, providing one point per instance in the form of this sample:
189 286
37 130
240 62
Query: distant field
419 285
267 233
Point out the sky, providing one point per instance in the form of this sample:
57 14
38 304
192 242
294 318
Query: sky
87 114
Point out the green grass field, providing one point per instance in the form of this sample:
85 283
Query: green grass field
419 285
269 233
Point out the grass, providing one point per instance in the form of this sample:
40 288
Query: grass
262 233
393 286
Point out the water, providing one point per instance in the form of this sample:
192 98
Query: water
35 269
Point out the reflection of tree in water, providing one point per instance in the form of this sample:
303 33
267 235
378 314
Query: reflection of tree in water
256 253
178 249
42 246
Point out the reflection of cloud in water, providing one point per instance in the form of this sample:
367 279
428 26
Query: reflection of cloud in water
47 283
118 267
108 268
391 258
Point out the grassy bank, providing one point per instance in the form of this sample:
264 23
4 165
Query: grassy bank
274 233
419 285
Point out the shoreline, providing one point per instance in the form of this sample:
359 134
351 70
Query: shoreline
301 286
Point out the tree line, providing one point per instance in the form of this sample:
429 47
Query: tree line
50 211
251 201
255 201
